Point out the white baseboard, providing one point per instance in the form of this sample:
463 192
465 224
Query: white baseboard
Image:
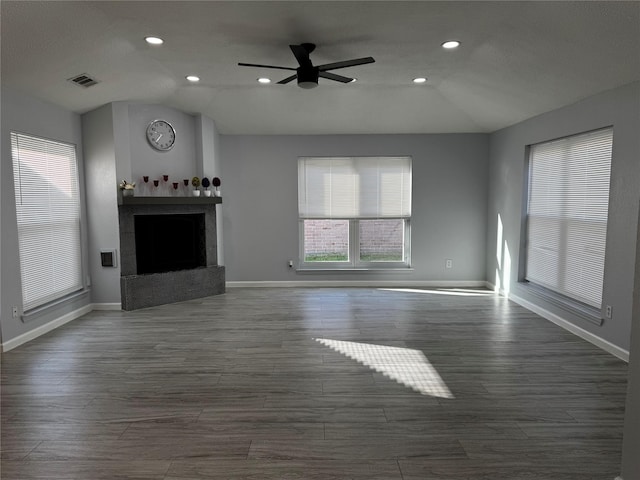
107 306
359 283
46 328
580 332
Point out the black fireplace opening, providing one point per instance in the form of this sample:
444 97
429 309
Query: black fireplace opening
166 243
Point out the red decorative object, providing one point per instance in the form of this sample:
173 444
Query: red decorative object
156 182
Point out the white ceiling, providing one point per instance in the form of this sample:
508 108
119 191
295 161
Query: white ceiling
517 59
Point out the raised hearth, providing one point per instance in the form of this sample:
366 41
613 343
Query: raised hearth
193 272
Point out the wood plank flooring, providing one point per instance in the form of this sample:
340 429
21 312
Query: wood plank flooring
239 387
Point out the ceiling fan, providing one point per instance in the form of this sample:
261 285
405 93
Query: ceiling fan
307 73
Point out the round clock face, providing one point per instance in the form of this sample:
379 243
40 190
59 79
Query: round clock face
161 135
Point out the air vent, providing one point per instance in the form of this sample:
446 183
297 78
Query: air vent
83 80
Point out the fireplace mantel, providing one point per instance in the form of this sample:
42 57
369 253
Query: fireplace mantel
170 200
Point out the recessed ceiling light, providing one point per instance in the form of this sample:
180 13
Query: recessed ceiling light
192 78
419 80
451 44
264 80
154 40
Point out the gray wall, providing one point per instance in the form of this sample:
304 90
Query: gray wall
620 108
208 157
179 162
260 213
102 202
631 441
28 115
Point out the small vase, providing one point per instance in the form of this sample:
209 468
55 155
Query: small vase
128 192
207 193
196 193
216 192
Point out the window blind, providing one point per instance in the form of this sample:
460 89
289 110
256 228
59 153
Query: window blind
354 187
48 214
567 214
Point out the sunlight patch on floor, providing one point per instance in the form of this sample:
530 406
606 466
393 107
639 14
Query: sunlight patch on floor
458 292
404 365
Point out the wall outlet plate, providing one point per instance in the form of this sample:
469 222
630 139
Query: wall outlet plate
448 263
108 258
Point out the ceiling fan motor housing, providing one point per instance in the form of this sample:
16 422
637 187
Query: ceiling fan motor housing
307 77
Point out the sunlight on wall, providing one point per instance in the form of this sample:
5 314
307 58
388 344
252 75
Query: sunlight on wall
499 242
506 271
404 365
503 260
498 282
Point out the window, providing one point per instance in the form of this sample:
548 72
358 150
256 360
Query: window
567 215
354 211
48 211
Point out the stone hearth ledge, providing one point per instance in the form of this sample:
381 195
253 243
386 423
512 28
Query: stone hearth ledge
142 291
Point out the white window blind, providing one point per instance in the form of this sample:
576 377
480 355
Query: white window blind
354 187
48 212
567 214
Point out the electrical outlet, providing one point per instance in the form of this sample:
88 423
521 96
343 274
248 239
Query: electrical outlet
15 312
609 311
448 263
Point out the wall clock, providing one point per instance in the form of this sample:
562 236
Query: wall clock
161 135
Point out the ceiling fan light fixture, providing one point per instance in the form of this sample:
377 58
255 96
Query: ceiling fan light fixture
307 77
192 78
264 80
451 44
154 40
307 85
419 80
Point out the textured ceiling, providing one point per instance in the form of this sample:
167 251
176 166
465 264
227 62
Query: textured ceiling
517 59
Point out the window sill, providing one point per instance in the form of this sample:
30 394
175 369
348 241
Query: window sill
580 310
43 311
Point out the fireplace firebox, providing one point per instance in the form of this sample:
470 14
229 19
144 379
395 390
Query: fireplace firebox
166 243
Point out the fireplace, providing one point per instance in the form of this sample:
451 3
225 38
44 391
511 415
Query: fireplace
166 243
168 250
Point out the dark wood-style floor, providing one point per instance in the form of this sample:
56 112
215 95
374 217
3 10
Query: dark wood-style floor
255 384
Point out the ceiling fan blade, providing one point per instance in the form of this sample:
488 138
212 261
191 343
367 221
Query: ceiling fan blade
265 66
288 79
346 63
301 52
333 76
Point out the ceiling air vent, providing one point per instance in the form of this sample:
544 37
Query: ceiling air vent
83 80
